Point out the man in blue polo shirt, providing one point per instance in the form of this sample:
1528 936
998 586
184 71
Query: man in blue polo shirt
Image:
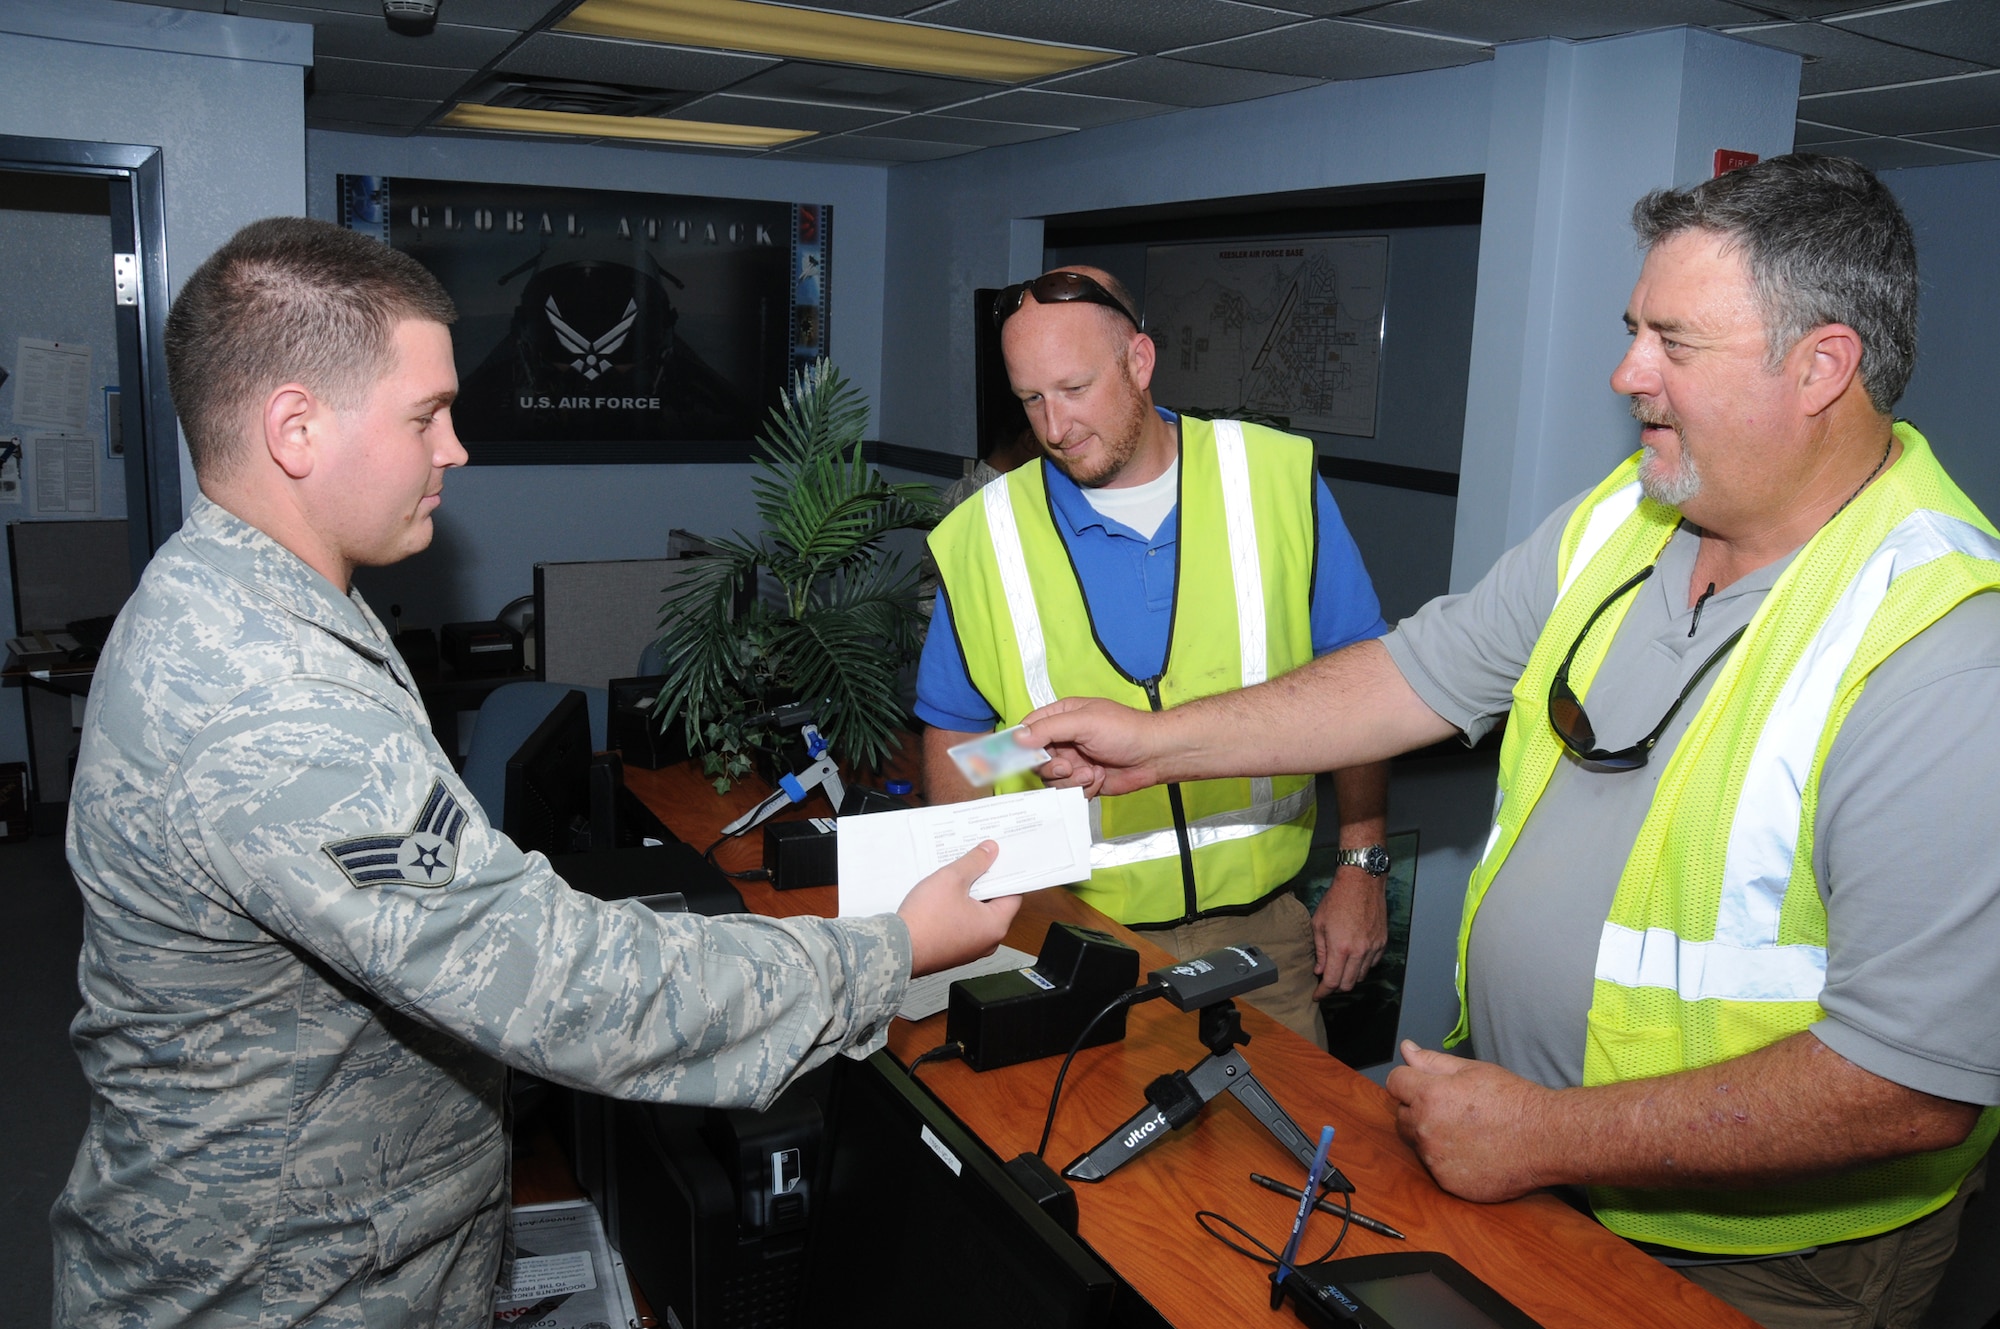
1155 559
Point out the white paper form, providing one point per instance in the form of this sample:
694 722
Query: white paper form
926 996
1044 839
10 472
565 1274
65 471
52 389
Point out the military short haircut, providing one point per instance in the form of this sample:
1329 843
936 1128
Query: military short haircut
287 299
1825 242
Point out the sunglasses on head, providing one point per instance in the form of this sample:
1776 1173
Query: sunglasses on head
1573 727
1055 288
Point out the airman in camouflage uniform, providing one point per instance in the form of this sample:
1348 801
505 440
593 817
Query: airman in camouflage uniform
308 956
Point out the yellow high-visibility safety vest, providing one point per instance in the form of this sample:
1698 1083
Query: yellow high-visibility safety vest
1242 614
1716 941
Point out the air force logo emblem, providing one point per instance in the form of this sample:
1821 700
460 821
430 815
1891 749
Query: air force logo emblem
593 356
426 855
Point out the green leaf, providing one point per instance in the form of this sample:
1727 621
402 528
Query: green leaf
845 624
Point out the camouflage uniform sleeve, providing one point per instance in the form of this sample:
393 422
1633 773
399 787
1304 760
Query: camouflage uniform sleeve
335 822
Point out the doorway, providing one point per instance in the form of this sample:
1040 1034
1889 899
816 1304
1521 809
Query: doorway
88 441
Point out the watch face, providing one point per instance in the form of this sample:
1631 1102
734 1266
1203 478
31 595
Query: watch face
1375 860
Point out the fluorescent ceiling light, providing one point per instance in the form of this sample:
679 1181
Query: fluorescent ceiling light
517 119
841 39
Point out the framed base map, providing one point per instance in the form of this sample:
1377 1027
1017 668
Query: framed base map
599 326
1287 332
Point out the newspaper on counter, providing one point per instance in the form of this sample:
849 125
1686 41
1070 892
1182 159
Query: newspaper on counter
565 1274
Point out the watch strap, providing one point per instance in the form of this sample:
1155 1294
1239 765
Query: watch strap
1372 859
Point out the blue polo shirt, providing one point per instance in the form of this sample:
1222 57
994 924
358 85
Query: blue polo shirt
1111 559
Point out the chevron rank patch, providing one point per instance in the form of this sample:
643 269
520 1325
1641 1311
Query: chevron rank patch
426 855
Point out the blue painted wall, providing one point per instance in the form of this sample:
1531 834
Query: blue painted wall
1579 131
1950 397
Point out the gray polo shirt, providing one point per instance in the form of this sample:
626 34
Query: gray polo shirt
1906 841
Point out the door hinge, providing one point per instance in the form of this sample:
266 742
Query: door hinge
125 278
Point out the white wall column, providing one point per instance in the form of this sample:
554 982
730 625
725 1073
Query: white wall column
1579 131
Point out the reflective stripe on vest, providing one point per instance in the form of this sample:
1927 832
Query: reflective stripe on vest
1605 519
1248 570
1744 961
1013 564
1218 829
1263 812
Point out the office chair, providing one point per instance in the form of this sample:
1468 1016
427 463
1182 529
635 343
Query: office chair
506 718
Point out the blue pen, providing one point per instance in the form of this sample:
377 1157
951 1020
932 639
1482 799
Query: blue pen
1306 1199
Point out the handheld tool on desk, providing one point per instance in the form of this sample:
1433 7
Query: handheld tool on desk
1327 1206
1205 984
1404 1290
1299 1220
798 788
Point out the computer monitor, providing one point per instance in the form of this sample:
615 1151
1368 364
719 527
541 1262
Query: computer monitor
547 798
919 1225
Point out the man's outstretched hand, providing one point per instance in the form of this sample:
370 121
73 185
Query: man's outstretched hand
1095 745
947 926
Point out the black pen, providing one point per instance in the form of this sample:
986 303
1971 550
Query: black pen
1329 1207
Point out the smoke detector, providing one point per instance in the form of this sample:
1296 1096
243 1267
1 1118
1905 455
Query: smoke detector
412 18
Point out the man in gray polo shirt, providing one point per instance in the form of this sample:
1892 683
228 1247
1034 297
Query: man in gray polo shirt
1728 955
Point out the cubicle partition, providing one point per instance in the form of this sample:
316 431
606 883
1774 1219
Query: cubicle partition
592 620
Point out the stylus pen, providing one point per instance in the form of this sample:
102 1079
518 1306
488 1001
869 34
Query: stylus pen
1313 1174
1329 1207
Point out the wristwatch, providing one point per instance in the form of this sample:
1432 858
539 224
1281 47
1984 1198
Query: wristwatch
1372 859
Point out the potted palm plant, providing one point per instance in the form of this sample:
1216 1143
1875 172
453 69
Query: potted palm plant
837 621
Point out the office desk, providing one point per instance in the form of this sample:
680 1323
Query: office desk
1552 1262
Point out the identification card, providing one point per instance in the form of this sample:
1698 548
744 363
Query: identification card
992 757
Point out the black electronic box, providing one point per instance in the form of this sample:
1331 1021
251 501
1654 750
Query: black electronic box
1400 1290
481 648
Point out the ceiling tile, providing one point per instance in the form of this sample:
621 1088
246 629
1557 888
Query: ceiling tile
1329 8
724 108
1039 106
879 8
1332 49
1968 29
1889 154
518 15
573 96
1986 138
980 133
371 78
1807 133
402 111
1483 20
635 64
877 89
1916 108
1813 8
358 7
353 37
1838 60
327 125
855 148
678 149
1119 25
1178 82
